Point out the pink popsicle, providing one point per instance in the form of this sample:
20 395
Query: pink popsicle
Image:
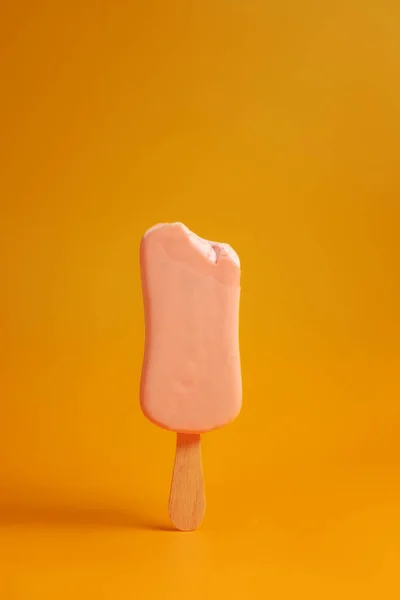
191 378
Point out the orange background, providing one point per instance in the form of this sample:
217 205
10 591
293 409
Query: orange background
274 126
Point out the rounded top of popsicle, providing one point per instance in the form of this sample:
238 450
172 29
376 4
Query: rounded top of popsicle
211 250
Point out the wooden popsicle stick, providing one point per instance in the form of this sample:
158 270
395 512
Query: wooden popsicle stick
187 500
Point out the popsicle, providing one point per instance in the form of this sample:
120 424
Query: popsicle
191 376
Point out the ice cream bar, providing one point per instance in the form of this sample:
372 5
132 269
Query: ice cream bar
191 379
